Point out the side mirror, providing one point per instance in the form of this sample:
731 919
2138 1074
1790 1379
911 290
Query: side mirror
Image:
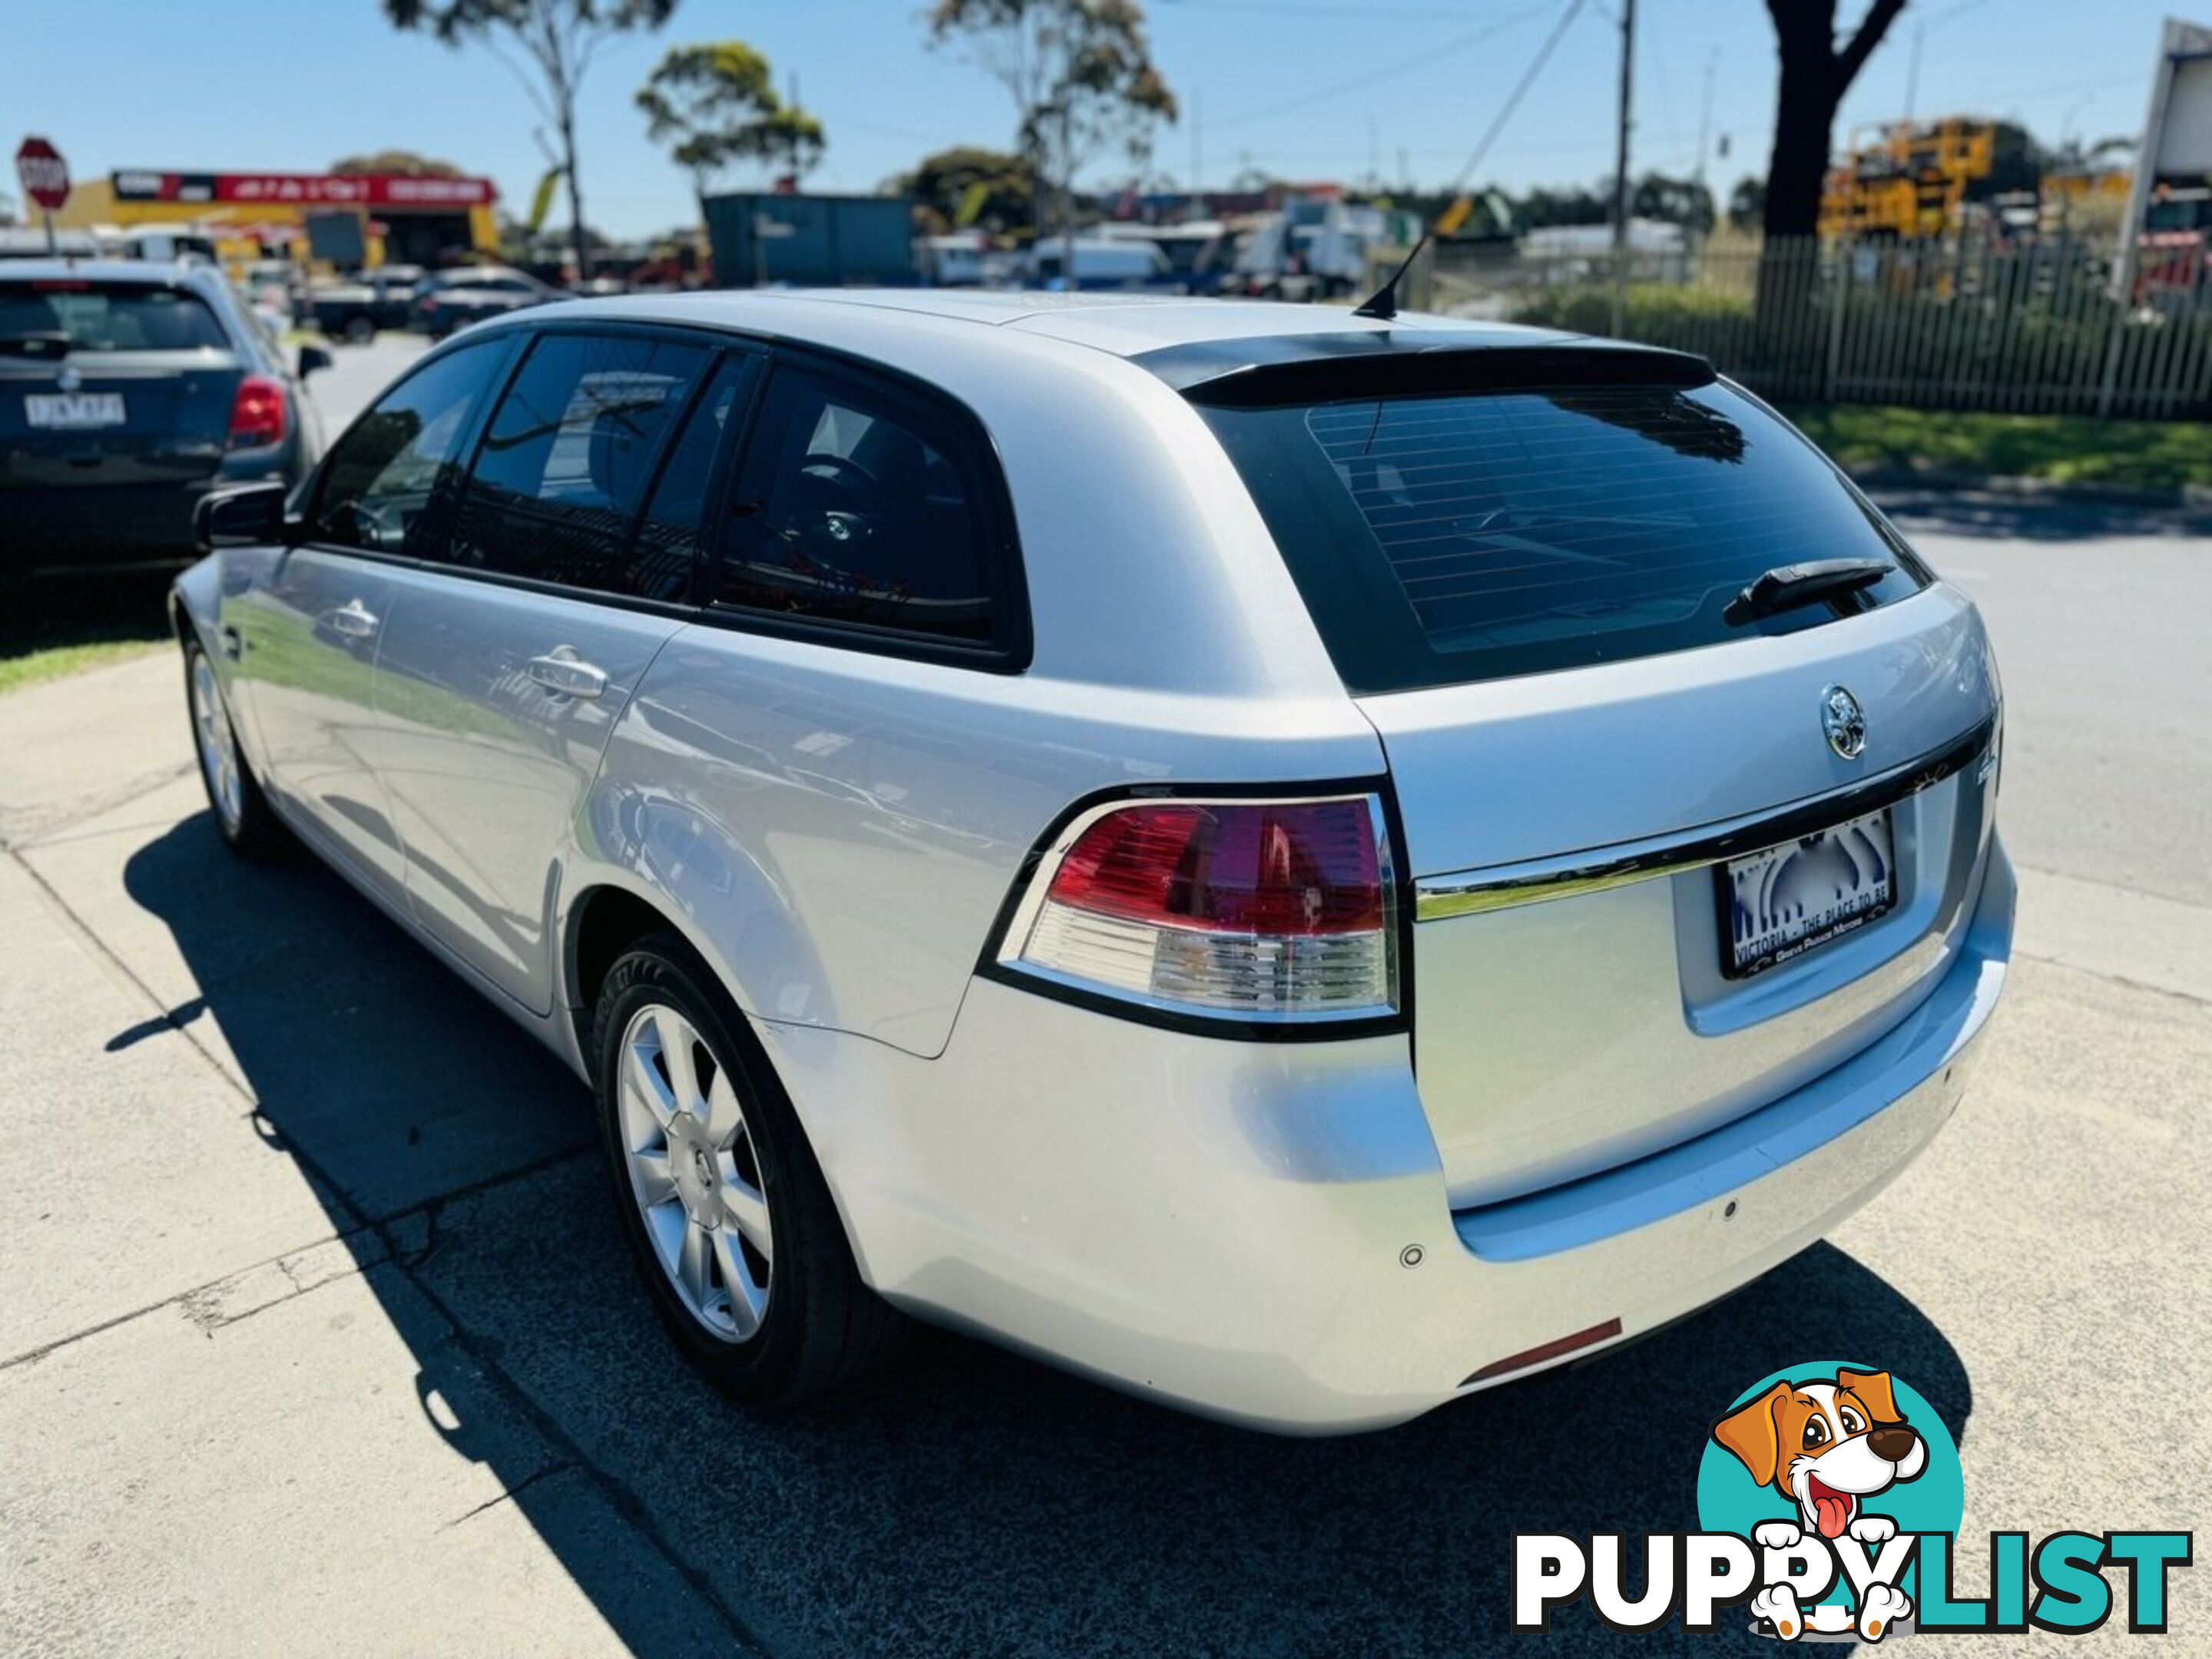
252 515
313 357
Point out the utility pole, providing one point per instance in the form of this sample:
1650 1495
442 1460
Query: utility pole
1919 36
1067 189
1705 113
1620 166
1197 156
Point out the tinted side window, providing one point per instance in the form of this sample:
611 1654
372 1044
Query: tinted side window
668 537
845 513
382 478
565 463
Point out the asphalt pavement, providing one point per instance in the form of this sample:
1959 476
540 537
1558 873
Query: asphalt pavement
319 1336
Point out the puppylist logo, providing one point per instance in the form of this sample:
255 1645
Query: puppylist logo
1829 1500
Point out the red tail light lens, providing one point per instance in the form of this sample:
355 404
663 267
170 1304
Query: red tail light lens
1292 869
257 414
1266 910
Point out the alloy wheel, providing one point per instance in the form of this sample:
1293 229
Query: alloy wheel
695 1173
218 747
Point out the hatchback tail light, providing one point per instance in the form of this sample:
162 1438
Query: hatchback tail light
1261 910
257 414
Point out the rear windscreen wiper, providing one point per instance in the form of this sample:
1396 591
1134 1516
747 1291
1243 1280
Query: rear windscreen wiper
1788 586
43 344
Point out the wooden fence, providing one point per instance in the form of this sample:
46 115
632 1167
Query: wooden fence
2029 325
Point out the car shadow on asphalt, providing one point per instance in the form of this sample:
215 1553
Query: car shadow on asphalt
1992 515
967 1501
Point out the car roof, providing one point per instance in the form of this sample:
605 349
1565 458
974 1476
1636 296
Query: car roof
162 272
1124 325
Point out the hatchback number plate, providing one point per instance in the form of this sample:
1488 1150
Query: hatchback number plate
73 412
1779 902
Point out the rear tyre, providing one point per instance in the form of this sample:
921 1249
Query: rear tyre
242 813
726 1212
360 330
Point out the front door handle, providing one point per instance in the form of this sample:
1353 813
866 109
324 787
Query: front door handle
353 619
563 672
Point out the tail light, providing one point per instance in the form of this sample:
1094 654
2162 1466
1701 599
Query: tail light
1258 911
257 414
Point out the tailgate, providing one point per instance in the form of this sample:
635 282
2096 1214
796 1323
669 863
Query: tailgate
112 419
1687 745
1579 1002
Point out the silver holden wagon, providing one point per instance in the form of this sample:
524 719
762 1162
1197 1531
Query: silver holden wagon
1300 865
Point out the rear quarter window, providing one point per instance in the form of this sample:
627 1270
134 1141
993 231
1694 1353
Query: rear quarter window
866 510
1444 540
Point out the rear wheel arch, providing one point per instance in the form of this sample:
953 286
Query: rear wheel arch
606 921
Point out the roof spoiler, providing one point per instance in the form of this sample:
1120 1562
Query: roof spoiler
1277 370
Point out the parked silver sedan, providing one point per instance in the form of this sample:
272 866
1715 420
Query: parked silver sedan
1299 865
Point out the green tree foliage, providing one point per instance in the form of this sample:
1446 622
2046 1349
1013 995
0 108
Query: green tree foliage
1001 188
1672 201
396 164
1747 203
549 45
714 105
1567 204
1080 73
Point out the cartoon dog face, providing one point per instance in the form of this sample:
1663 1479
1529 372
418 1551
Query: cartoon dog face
1825 1444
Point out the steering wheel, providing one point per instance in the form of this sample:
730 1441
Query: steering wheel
844 472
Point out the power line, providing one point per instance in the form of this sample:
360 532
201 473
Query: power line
1513 98
1402 66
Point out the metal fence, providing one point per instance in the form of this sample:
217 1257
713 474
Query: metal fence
2025 325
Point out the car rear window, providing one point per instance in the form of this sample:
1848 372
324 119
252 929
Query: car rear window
1440 540
107 317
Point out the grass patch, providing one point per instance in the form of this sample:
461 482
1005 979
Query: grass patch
2065 448
36 667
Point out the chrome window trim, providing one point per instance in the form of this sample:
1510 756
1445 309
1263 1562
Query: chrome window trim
1505 886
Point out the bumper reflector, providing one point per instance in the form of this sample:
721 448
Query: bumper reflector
1551 1350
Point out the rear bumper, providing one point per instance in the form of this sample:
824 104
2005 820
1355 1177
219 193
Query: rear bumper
50 526
1228 1226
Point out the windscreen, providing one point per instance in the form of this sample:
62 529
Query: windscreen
1439 540
106 317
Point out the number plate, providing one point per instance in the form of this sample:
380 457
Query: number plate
71 411
1781 902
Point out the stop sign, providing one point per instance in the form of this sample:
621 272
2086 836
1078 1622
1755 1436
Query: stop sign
43 173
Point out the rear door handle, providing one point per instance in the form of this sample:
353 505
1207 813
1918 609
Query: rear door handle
353 619
567 674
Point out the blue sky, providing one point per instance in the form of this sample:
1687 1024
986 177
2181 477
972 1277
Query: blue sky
1304 88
